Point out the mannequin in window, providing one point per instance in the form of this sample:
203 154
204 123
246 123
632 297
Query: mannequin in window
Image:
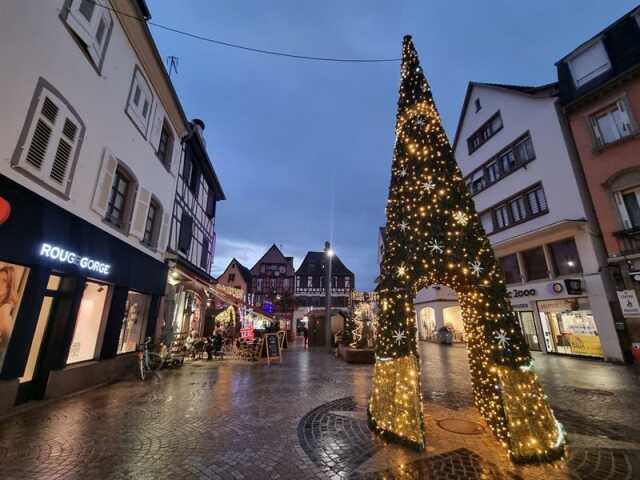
8 301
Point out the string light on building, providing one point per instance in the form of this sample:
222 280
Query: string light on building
434 237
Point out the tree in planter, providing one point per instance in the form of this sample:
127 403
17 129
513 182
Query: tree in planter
434 236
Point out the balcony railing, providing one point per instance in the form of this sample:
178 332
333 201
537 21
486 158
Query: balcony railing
628 241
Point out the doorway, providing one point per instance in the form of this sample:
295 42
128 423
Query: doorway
33 382
528 327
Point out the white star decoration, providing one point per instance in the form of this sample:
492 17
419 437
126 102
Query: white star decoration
403 172
402 270
420 121
428 186
399 336
404 226
501 337
476 268
435 247
461 217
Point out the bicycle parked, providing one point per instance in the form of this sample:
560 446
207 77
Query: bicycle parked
149 361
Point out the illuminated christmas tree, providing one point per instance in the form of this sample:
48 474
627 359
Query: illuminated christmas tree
434 236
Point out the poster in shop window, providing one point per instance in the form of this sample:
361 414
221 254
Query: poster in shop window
629 303
13 279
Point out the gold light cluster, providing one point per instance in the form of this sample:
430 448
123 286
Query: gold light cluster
434 237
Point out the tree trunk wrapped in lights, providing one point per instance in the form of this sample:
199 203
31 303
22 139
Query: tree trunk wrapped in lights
434 237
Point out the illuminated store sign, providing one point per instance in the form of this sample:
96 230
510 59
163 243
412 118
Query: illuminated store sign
67 256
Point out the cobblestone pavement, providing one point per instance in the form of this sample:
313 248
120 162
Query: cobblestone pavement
306 418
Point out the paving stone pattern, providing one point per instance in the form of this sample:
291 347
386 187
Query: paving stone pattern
306 419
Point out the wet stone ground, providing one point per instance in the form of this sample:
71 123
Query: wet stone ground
306 419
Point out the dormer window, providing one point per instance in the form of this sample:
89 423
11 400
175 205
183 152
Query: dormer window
589 64
478 105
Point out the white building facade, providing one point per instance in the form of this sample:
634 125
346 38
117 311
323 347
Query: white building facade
512 148
90 151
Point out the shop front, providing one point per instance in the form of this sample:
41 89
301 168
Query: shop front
74 300
558 317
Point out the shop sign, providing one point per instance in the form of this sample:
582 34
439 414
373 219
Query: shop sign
526 292
66 256
557 287
629 303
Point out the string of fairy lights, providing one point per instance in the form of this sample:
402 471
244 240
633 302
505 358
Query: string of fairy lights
434 236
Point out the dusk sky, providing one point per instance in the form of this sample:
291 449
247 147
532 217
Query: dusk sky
303 149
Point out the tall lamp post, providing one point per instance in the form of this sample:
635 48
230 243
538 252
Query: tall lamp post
327 285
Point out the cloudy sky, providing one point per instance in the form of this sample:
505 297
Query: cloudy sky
303 149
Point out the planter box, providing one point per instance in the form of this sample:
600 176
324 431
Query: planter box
353 355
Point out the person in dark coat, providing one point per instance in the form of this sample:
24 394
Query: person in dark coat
305 334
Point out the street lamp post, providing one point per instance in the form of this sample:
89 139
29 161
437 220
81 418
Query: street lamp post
327 285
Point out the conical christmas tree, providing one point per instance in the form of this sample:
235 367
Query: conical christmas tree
434 237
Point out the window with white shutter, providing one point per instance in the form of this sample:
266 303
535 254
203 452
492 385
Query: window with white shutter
50 140
612 123
589 64
139 102
91 22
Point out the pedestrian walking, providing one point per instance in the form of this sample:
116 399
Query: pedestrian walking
305 333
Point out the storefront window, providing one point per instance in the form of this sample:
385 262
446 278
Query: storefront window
565 257
511 268
89 323
134 321
13 279
535 264
569 327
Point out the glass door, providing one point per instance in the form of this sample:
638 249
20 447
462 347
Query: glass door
528 326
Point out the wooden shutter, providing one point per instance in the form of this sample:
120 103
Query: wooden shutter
140 212
186 227
163 236
622 209
52 141
156 127
177 153
91 22
104 183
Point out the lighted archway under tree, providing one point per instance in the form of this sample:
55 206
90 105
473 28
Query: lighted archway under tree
434 237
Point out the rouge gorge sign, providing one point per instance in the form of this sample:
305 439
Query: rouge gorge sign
66 256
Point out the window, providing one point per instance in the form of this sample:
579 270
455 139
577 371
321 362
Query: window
50 140
565 257
117 206
515 155
507 161
347 282
611 124
204 257
487 221
187 165
518 211
520 208
194 181
151 224
511 269
231 277
134 321
493 174
502 217
165 145
484 133
13 280
589 64
629 208
91 26
477 104
89 323
211 204
139 102
535 264
537 201
524 150
186 229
